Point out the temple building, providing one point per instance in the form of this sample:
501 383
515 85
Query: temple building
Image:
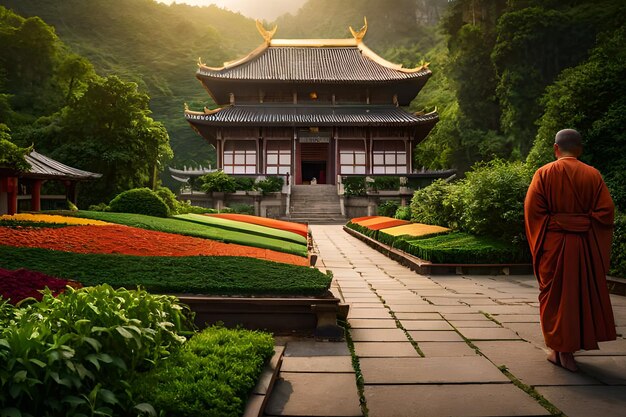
313 109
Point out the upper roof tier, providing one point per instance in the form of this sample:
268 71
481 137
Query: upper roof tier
43 167
310 61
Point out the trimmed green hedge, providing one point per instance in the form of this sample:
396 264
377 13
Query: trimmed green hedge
187 228
211 375
140 201
461 248
215 275
363 230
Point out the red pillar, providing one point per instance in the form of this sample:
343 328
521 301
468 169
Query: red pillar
35 202
12 195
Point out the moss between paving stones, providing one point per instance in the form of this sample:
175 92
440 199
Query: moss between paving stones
211 375
187 228
210 275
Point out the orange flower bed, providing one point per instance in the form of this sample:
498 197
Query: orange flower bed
360 219
367 222
415 229
50 218
118 239
387 224
299 228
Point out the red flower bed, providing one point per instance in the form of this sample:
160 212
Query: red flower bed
132 241
21 284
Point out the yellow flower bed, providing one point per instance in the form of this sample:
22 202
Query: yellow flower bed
50 218
415 229
374 220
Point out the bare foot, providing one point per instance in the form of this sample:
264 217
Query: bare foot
567 361
553 357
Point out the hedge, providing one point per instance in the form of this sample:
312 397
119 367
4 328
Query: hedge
140 201
214 275
211 375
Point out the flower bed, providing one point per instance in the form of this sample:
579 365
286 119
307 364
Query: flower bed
20 284
211 275
298 228
187 228
51 218
118 239
412 230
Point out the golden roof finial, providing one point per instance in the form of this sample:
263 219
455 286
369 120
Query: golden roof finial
361 33
267 34
200 63
186 107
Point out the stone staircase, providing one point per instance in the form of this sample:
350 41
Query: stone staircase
315 204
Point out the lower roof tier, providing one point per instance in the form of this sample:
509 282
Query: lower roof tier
294 115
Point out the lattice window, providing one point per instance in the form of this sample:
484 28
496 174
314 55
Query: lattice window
389 157
352 157
278 157
240 157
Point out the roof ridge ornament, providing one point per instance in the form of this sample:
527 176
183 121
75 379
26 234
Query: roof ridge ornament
266 34
361 33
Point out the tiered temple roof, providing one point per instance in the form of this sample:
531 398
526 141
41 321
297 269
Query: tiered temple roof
47 168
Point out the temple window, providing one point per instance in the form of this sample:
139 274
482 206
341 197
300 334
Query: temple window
389 157
352 157
278 157
240 157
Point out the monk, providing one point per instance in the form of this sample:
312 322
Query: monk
569 225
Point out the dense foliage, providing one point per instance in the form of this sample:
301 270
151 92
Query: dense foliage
11 155
387 208
212 375
72 355
139 201
219 181
618 253
435 204
354 186
216 275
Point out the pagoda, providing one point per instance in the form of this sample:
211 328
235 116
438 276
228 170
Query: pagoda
312 109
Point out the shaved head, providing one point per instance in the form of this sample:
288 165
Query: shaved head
569 141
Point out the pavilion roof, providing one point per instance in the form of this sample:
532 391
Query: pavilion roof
327 61
45 167
312 115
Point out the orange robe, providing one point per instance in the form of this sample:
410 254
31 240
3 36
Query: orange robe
569 225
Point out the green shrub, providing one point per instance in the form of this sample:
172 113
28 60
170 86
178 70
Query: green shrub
242 208
386 183
618 253
139 201
454 248
213 275
270 185
185 207
388 208
354 186
212 375
493 200
217 181
12 156
169 198
73 355
436 204
243 183
403 213
100 207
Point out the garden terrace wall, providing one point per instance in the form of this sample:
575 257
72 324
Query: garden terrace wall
310 316
428 268
273 205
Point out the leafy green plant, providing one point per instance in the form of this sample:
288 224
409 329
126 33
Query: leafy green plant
354 186
72 355
436 204
217 181
403 213
386 183
215 275
270 184
618 253
169 198
212 375
185 207
242 208
388 208
100 207
244 183
139 201
12 156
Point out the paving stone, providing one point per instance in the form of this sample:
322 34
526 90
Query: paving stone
609 369
612 348
499 351
517 318
541 372
418 316
499 333
456 316
378 335
443 370
449 400
368 313
435 336
444 301
385 349
426 325
361 299
587 401
474 323
511 309
329 364
314 348
365 305
528 331
446 349
310 394
373 323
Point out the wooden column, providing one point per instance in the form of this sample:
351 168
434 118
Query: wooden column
35 193
10 184
70 191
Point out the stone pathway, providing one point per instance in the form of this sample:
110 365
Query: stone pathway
447 346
